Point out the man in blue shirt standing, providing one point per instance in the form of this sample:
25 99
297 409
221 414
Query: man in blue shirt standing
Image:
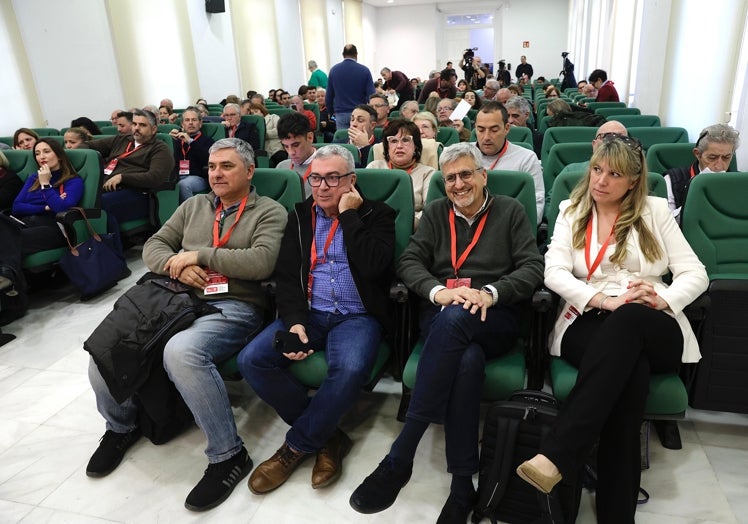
348 85
332 276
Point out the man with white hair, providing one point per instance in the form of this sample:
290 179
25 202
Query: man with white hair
318 78
409 109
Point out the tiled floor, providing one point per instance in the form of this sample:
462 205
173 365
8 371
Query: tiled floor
49 426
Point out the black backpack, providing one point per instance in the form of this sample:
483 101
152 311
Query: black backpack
512 434
13 299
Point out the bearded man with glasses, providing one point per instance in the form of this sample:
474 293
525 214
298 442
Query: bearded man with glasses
473 260
333 276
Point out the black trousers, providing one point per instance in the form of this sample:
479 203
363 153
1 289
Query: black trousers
615 353
41 233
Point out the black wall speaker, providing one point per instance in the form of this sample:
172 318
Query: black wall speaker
215 6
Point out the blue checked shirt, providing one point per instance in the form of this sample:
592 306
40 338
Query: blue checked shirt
333 288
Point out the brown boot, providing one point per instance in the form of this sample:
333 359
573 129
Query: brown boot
272 473
329 464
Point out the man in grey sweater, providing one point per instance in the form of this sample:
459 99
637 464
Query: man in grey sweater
221 244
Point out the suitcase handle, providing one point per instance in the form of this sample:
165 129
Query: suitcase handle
534 395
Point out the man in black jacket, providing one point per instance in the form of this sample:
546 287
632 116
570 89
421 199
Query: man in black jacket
333 275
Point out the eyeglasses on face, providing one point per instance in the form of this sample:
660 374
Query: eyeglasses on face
315 180
404 140
465 176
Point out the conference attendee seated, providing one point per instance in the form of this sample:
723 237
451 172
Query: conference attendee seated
332 276
124 122
382 108
273 146
361 132
54 188
409 109
221 245
714 151
326 124
132 164
606 91
402 147
86 123
191 154
24 139
609 128
491 89
297 137
297 104
76 137
235 128
470 296
491 129
444 109
519 109
426 123
618 322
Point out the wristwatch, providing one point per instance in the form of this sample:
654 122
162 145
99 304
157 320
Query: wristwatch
490 292
45 186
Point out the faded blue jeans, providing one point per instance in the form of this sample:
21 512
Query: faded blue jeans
190 359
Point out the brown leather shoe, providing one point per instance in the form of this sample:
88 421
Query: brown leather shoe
272 473
329 464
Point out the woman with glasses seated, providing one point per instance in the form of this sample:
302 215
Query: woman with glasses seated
402 150
618 322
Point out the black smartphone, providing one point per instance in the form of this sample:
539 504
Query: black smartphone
287 342
172 285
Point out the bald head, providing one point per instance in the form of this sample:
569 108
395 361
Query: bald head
611 126
503 95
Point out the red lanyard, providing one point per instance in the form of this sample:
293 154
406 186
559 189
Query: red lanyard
129 150
501 153
308 170
457 263
184 153
693 174
588 240
389 164
220 242
328 242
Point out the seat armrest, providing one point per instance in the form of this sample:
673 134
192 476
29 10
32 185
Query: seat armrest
399 292
697 310
70 216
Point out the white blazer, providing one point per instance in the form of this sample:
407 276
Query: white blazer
566 271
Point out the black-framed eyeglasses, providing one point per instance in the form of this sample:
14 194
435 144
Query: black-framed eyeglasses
316 180
630 141
465 176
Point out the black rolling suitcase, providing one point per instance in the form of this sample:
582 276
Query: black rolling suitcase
512 434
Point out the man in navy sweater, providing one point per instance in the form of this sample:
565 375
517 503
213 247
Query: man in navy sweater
348 85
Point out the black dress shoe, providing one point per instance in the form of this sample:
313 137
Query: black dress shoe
110 452
668 432
379 490
455 511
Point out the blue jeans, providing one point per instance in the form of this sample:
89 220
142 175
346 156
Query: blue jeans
126 204
451 372
189 360
191 185
350 343
343 120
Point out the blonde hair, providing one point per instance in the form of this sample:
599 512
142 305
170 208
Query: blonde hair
626 158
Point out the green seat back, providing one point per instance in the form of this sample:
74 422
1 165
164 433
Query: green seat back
102 123
715 223
167 128
566 182
214 130
516 134
667 394
649 136
282 185
639 120
516 184
46 131
258 121
661 157
559 157
564 134
280 111
612 112
595 105
350 147
447 136
108 130
314 108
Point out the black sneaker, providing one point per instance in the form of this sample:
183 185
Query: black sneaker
379 490
218 482
456 511
110 452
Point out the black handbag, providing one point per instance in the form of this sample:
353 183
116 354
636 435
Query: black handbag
94 265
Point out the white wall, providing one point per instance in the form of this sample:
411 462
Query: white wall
71 58
544 24
215 56
409 38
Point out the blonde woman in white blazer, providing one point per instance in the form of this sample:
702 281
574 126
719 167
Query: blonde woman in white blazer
618 321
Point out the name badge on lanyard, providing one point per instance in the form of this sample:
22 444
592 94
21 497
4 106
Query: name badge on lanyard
217 283
184 167
109 169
